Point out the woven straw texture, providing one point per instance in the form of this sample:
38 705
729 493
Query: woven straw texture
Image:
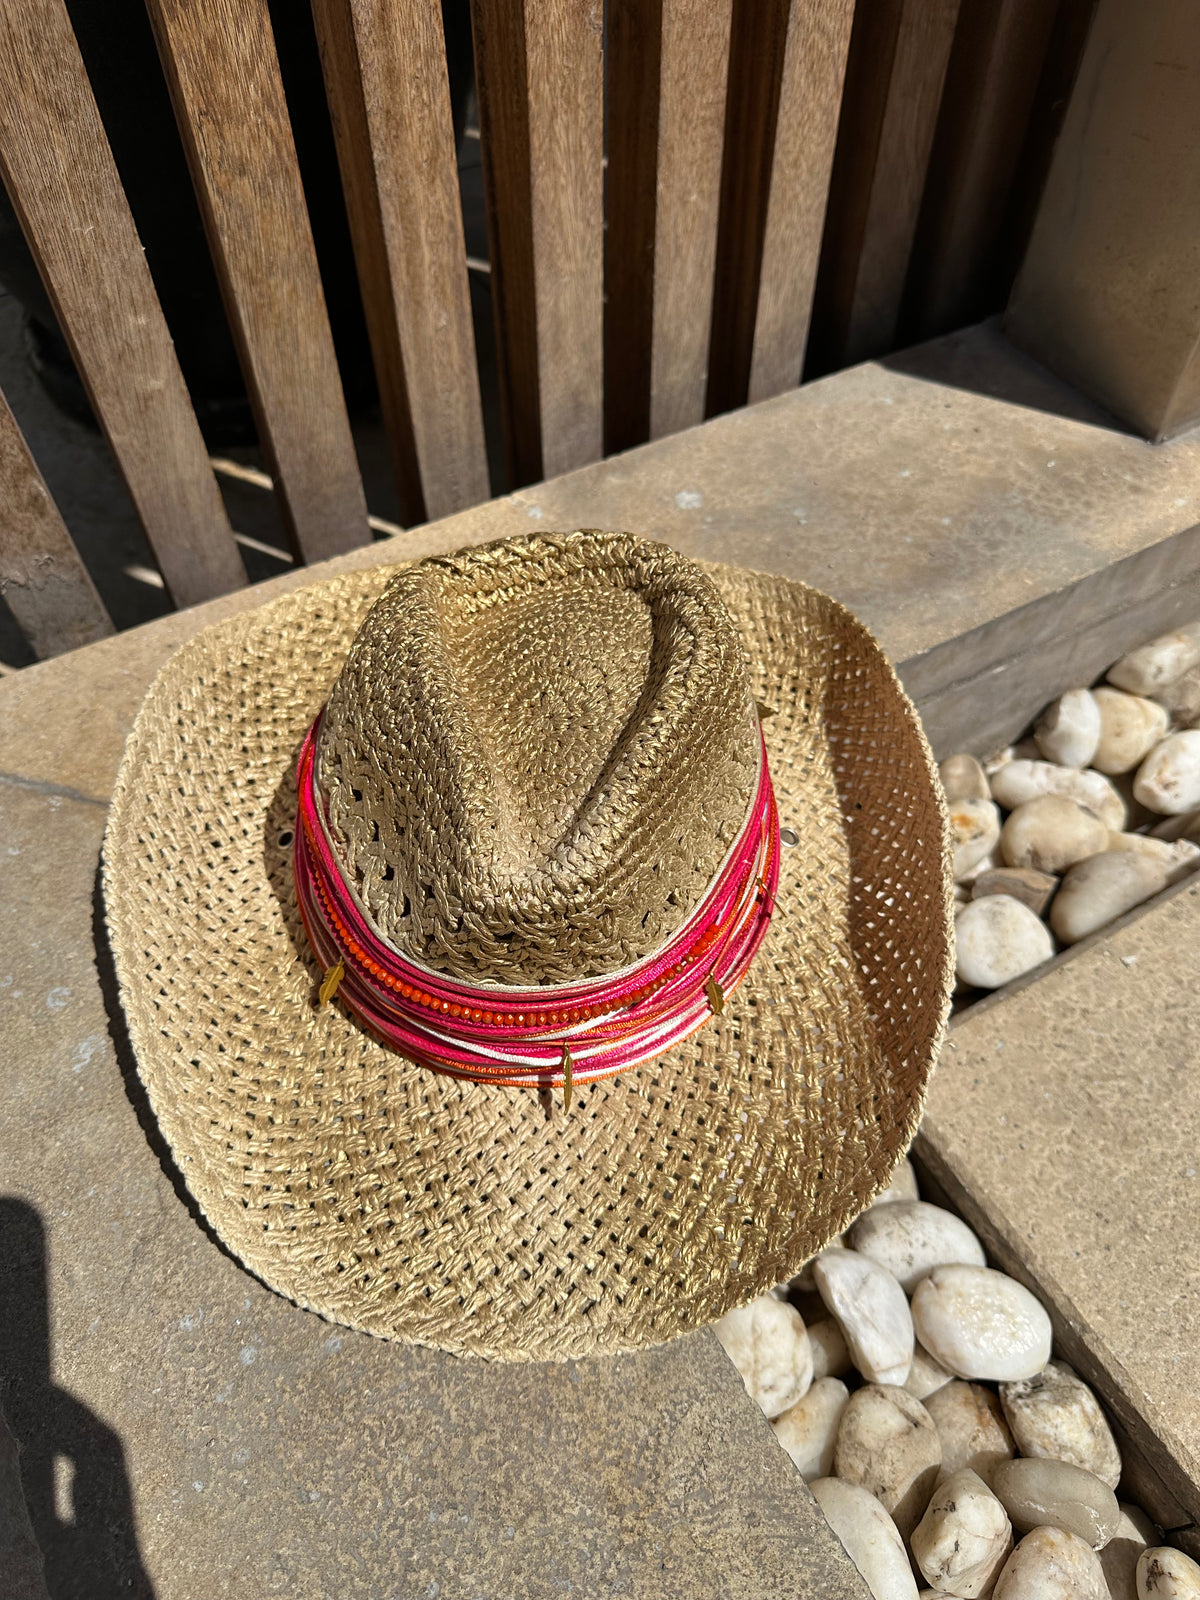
537 755
484 1220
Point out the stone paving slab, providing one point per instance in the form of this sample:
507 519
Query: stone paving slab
1065 1121
266 1452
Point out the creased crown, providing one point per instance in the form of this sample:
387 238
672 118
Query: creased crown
537 755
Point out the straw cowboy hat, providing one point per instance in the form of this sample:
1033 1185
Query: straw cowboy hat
496 982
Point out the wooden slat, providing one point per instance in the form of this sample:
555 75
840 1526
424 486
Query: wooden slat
539 71
45 584
691 127
756 58
633 53
897 67
223 72
63 182
565 86
498 29
385 69
818 37
991 84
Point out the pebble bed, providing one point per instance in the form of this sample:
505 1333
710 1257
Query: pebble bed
1095 813
916 1390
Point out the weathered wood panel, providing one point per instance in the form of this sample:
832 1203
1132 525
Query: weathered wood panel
60 175
223 72
633 53
814 66
45 584
565 86
899 51
691 127
385 68
758 38
498 29
992 83
540 77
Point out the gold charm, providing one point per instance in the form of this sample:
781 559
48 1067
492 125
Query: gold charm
716 995
329 984
567 1066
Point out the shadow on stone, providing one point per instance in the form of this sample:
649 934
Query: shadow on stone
64 1488
981 360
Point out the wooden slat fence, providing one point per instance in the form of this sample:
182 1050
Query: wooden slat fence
690 203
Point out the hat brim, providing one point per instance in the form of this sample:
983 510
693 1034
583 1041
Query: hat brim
483 1220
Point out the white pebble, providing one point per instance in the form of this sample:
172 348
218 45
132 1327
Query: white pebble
1051 833
1130 727
1068 731
998 939
971 1427
1182 699
1021 781
1164 1573
912 1237
1056 1415
981 1324
1032 889
1049 1564
974 830
963 778
998 758
1152 666
768 1344
888 1445
869 1537
1184 826
1177 857
964 1538
1054 1494
986 864
808 1430
1095 891
804 1281
1168 781
872 1312
903 1185
830 1353
1119 1558
926 1376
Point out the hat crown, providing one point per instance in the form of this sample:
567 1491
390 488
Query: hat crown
537 755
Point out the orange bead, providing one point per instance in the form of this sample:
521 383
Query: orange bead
406 990
489 1016
456 1011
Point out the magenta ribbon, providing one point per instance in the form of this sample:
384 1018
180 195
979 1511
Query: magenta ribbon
519 1036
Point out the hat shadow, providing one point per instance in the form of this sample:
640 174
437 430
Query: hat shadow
66 1505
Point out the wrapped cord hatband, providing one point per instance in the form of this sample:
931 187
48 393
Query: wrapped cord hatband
548 1035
